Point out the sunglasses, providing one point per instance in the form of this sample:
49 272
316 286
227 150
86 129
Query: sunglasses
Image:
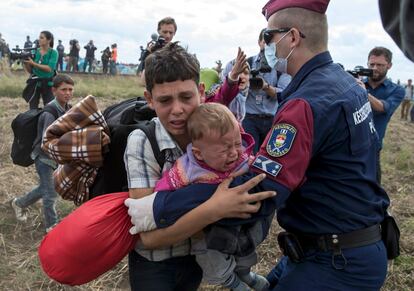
269 33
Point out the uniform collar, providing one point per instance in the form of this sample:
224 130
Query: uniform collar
317 61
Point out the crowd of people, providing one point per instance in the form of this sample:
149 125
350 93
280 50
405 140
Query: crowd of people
71 60
295 134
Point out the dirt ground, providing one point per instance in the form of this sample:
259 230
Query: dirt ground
19 264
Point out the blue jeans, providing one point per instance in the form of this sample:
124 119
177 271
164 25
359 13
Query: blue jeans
365 270
257 126
175 274
45 191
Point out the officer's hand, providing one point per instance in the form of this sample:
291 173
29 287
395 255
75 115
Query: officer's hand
142 216
237 202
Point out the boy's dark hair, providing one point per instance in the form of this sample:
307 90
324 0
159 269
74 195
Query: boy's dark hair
62 78
167 20
381 51
169 64
49 36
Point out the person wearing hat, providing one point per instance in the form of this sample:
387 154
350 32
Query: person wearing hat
317 163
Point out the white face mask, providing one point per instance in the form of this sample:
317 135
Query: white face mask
280 64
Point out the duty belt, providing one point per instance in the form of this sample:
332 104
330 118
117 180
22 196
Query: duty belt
295 245
331 242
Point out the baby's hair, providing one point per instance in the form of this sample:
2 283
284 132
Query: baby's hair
210 117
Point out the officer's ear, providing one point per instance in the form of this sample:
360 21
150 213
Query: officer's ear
295 34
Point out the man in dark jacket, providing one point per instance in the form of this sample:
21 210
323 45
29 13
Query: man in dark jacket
90 56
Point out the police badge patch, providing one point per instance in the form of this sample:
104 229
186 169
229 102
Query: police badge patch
267 165
281 140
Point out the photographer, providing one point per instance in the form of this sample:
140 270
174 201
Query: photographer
166 30
383 95
90 56
42 70
261 102
73 55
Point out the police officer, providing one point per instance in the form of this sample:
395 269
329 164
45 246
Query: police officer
320 159
261 102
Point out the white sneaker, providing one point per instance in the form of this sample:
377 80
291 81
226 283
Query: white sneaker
21 214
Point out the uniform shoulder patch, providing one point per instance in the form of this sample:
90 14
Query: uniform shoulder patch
281 139
267 165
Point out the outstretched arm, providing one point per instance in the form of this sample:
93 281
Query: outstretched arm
225 203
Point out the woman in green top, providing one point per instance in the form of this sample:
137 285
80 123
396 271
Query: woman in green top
43 66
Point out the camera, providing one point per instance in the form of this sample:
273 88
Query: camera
73 41
158 43
359 71
255 81
21 53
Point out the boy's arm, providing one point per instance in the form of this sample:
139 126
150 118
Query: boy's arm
137 193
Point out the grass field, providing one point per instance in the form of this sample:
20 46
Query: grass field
19 264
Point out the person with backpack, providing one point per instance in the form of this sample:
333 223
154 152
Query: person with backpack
42 70
174 95
62 89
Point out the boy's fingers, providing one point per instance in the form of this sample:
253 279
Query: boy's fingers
251 183
226 183
257 197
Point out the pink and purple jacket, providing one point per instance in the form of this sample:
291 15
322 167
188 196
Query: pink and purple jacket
188 170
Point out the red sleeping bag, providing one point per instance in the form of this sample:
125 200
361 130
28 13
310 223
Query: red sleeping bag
89 241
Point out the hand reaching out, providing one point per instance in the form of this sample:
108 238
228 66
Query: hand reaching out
240 65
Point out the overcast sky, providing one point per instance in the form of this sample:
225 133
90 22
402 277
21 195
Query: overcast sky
211 29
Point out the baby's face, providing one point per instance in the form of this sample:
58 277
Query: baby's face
220 152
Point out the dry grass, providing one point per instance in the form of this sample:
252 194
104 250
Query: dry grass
19 264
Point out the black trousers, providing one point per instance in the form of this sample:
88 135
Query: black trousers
45 92
175 274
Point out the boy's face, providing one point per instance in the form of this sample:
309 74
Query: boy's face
63 93
220 152
174 102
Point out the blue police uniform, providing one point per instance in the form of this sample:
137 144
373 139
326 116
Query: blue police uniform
320 158
261 108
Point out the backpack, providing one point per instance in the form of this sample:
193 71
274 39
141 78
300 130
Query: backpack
122 118
24 127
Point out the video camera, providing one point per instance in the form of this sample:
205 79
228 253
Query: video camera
359 71
256 82
21 53
157 41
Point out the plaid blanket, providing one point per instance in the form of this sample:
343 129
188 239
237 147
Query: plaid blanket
77 141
